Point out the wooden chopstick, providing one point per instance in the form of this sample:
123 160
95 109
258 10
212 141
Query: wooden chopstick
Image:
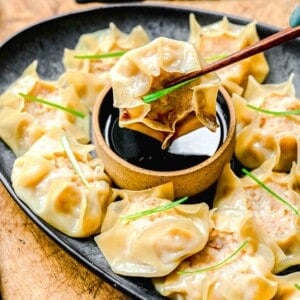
271 41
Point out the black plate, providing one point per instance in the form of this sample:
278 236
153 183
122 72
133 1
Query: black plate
46 41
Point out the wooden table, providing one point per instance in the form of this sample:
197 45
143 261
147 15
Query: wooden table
32 266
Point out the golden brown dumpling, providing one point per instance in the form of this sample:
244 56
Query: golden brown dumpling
46 181
261 136
247 275
224 38
152 245
148 68
22 121
278 220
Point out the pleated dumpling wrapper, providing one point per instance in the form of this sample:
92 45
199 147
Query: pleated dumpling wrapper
89 75
278 218
151 245
262 135
222 38
147 69
235 263
288 286
46 179
23 121
108 40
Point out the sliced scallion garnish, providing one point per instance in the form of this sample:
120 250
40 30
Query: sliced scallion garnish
153 210
217 265
66 145
163 92
215 57
297 286
275 113
264 186
52 104
158 94
101 55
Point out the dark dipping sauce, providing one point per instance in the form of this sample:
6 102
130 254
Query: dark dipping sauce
145 152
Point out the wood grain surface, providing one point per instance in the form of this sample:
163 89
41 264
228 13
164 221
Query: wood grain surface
32 266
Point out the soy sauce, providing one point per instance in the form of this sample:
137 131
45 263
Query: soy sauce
144 151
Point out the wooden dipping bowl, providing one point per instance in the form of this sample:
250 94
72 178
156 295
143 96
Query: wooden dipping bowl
187 182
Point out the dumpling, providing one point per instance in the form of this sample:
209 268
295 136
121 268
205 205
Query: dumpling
261 136
107 40
148 68
277 219
89 76
224 38
22 121
247 275
87 86
288 287
46 181
152 245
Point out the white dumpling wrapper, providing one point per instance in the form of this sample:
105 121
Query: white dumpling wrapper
262 136
153 245
223 38
146 69
45 180
248 275
22 121
279 221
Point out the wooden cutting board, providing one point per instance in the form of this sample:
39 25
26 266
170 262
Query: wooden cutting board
32 266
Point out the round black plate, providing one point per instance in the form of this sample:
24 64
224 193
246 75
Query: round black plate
46 41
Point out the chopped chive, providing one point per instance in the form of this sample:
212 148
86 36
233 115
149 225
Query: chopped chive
154 210
297 286
158 94
215 57
217 265
52 104
275 113
163 92
102 55
66 145
254 178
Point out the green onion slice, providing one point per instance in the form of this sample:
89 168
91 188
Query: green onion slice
154 210
215 57
66 145
297 286
52 104
102 55
275 113
278 197
158 94
217 265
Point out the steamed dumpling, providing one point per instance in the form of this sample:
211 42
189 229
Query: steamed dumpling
152 245
224 38
261 136
90 76
22 121
247 275
106 40
148 68
278 220
288 286
46 181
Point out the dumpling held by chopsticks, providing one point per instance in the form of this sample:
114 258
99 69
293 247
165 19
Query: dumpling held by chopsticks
147 69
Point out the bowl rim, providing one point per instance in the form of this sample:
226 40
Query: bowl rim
97 135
